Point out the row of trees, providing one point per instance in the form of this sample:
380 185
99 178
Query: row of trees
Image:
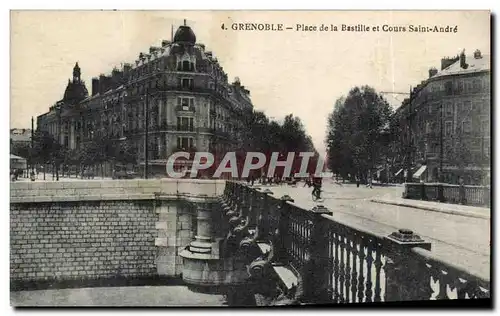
268 136
261 134
47 151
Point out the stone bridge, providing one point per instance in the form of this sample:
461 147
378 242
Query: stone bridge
217 237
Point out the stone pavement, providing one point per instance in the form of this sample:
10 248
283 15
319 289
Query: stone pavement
166 296
455 209
458 239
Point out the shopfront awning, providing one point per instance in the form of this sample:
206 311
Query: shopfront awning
419 172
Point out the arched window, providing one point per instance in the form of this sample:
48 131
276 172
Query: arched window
186 63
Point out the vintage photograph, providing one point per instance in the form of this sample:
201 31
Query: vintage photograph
250 158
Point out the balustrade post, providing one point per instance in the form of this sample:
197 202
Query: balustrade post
461 194
317 272
440 192
407 278
423 193
487 196
281 250
264 224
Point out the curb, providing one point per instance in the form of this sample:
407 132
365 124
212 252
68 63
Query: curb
434 209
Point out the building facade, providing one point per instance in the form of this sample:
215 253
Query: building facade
179 89
446 122
20 137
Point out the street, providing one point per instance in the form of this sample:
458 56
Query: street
459 239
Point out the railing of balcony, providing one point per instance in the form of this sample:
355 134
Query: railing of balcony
338 263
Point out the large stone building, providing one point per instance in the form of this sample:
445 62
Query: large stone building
450 122
191 104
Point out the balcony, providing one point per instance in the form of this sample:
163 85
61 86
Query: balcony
185 128
185 109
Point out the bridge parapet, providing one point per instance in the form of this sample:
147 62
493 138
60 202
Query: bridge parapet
308 257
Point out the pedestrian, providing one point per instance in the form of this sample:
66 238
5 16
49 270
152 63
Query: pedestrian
357 181
316 183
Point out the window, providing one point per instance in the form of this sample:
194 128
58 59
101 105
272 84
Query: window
460 86
448 129
468 86
187 83
427 127
185 143
476 85
467 106
485 126
185 63
185 124
185 102
448 107
486 147
466 126
448 87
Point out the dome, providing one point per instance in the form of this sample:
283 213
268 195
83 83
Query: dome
185 34
75 92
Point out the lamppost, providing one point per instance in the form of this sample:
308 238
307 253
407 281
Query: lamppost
31 151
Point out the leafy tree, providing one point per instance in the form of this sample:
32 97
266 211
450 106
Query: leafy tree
268 136
46 150
20 149
357 132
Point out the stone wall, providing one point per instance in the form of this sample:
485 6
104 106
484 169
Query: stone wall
102 229
91 239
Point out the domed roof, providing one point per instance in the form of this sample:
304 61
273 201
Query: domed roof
185 34
75 92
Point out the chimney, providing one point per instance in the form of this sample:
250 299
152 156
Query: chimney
463 63
432 72
126 68
477 54
153 50
102 84
117 77
95 86
447 61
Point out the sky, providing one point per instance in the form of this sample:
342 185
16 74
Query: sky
298 72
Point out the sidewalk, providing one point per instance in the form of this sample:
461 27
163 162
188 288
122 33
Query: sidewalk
166 296
454 209
48 177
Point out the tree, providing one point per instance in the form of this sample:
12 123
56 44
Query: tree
267 136
357 132
46 150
